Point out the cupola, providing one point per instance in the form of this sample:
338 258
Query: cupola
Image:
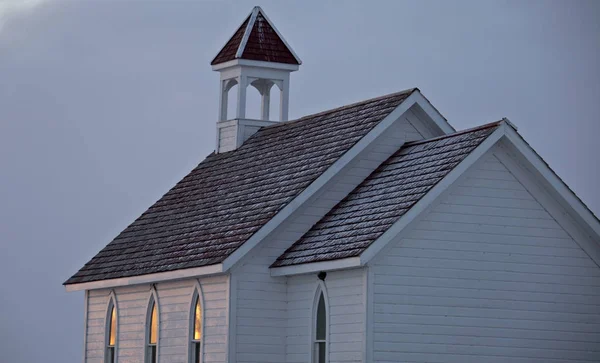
256 55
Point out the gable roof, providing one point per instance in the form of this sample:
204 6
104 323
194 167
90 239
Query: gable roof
257 39
383 197
230 196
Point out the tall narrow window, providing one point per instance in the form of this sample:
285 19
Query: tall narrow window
320 330
196 329
111 332
152 331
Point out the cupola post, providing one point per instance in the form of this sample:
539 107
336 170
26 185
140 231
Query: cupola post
256 56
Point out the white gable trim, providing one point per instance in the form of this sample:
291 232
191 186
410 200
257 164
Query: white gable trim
146 279
414 98
506 132
249 26
567 197
428 200
417 210
438 120
547 188
307 268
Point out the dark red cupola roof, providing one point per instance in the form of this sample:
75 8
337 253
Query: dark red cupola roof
257 39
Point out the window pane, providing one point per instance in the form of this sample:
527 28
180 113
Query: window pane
321 319
153 324
321 353
198 321
197 352
153 354
110 355
113 327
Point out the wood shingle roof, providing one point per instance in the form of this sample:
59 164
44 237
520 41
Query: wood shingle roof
230 196
383 197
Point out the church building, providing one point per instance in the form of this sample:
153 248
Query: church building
372 232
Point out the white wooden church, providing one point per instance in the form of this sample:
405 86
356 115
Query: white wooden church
373 232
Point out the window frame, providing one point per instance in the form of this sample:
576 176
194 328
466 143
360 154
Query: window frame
320 290
196 297
152 302
112 303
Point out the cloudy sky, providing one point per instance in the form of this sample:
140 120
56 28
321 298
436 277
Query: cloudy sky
104 105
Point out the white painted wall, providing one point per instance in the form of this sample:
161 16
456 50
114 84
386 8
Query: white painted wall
260 314
347 312
487 276
174 301
227 134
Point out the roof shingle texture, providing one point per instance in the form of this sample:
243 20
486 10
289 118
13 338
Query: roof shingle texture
382 198
263 44
227 53
229 196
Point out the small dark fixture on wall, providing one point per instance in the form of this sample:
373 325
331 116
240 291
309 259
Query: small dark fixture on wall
322 275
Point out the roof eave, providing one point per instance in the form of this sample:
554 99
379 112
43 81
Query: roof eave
147 278
253 63
306 268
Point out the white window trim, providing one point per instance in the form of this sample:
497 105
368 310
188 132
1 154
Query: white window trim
321 288
112 301
152 299
197 295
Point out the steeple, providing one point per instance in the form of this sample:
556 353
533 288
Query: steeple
256 55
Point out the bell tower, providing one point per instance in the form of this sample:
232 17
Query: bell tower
259 57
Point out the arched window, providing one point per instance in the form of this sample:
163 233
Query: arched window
152 321
110 354
320 323
196 326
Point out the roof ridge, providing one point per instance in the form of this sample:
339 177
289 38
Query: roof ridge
461 132
339 108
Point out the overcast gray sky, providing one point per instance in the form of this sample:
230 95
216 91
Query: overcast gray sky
104 105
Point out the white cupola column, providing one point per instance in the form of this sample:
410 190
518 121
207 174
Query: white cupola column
240 112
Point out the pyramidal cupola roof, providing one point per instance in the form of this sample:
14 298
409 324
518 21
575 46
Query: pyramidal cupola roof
257 39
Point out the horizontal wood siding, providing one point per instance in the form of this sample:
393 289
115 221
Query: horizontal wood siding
174 301
261 311
347 311
97 305
487 276
227 138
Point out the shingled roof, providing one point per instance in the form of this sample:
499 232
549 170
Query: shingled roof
230 196
256 39
383 197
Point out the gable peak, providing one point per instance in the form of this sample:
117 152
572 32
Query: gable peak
257 39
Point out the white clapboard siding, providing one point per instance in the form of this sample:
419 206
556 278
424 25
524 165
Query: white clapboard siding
261 300
97 304
227 137
174 302
347 311
487 276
